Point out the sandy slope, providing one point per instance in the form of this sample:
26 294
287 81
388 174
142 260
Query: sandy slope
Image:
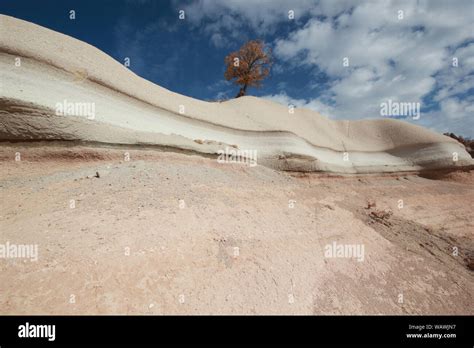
182 259
130 110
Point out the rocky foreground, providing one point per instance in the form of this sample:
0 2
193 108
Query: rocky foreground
122 230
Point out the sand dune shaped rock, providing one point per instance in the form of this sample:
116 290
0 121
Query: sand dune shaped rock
41 69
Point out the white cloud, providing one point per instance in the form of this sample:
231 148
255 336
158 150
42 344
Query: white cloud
259 14
454 108
230 16
455 80
454 116
389 58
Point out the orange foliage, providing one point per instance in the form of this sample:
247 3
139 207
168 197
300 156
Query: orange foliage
249 65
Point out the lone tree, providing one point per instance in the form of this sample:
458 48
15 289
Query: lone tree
249 65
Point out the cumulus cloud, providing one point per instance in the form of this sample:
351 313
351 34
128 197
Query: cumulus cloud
458 78
261 15
232 19
403 56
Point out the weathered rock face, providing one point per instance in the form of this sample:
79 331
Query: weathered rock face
468 143
58 88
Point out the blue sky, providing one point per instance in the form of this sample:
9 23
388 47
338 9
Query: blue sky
398 50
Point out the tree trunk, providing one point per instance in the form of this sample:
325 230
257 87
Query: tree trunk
242 91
